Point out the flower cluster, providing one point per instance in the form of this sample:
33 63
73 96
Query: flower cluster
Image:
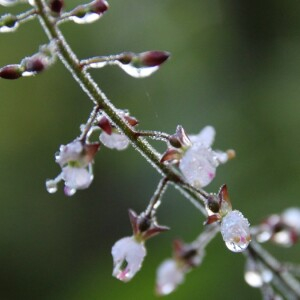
172 271
282 229
195 157
111 136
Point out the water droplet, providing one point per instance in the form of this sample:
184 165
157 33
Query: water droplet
136 71
8 2
98 65
28 73
86 19
51 186
8 25
235 231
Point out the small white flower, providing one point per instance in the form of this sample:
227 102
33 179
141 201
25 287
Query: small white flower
75 160
114 140
199 163
168 276
70 152
235 231
76 178
128 255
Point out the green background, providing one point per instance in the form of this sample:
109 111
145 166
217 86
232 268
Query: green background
235 65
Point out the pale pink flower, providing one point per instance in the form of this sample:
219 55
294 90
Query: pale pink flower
128 255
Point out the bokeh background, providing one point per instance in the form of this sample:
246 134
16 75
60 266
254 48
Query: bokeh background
235 65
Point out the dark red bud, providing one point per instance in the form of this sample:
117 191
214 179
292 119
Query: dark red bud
35 65
11 72
99 7
56 6
131 120
153 58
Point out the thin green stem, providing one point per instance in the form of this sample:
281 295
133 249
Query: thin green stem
155 200
72 63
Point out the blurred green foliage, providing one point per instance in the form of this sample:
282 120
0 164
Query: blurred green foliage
235 65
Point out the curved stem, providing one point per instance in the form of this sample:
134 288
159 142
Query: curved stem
72 63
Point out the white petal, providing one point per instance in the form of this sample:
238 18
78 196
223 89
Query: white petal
222 157
168 277
127 250
205 137
198 165
114 141
69 152
76 178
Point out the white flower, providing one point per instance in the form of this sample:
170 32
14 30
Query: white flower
199 163
235 231
70 152
128 255
168 276
76 178
114 140
75 160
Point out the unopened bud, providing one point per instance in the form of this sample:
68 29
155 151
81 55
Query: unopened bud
56 6
180 138
153 58
99 6
11 72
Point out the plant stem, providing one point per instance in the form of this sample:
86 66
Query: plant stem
72 63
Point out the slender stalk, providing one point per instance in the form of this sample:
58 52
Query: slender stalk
155 200
72 63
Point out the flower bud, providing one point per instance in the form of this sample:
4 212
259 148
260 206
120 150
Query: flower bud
56 6
89 13
180 139
11 72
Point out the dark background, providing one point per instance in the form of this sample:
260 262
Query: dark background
235 65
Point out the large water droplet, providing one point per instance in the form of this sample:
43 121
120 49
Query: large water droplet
136 71
51 186
86 19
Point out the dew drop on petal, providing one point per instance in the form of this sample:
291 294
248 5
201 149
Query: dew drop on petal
235 231
86 19
98 65
138 72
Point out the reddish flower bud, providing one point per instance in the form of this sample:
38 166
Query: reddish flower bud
11 72
99 6
153 58
56 6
